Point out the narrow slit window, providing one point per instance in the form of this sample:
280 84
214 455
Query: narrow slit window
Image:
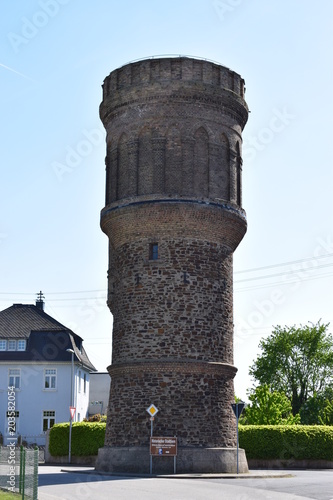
153 251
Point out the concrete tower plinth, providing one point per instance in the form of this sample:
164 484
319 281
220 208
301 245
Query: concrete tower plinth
173 216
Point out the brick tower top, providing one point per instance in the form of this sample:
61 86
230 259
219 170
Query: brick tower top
182 73
178 120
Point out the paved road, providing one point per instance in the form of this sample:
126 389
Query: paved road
54 484
314 484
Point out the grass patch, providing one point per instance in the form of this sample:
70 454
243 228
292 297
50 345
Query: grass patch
8 495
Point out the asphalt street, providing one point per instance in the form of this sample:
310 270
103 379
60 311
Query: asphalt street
83 483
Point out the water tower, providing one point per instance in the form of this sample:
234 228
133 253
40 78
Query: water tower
174 217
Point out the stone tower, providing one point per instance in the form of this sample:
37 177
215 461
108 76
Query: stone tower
173 217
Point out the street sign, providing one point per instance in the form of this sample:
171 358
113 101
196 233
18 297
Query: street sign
72 411
163 446
152 410
238 408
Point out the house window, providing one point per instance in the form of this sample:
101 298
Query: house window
85 383
21 345
50 379
11 345
14 378
153 251
3 345
48 419
79 381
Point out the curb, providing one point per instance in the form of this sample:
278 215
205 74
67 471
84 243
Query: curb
249 475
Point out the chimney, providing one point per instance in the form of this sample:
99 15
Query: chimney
39 301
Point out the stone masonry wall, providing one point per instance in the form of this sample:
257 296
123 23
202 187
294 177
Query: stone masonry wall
181 302
176 310
194 404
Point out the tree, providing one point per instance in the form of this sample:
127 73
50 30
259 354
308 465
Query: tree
268 408
318 410
297 361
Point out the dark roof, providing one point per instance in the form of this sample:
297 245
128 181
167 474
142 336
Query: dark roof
47 339
18 320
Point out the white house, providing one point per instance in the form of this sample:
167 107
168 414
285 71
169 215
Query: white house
41 363
99 393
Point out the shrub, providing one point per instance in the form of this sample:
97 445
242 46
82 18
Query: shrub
95 418
87 437
311 442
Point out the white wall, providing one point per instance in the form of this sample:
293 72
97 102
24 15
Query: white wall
99 392
81 395
32 398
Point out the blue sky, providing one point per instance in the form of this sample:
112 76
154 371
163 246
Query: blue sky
54 56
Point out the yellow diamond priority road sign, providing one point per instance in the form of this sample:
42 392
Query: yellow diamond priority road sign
152 410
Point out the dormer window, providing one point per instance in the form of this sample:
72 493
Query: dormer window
11 345
21 344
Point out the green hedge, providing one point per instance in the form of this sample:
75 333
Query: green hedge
310 442
87 437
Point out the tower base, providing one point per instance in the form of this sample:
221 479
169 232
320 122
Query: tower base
136 459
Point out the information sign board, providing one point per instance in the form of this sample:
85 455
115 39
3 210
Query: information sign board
163 446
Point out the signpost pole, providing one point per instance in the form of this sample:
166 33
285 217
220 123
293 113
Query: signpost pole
238 408
152 410
237 440
151 435
71 405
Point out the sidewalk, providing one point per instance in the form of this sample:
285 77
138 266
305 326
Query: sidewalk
252 474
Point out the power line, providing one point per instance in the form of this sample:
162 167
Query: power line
52 293
79 298
282 283
284 273
284 263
